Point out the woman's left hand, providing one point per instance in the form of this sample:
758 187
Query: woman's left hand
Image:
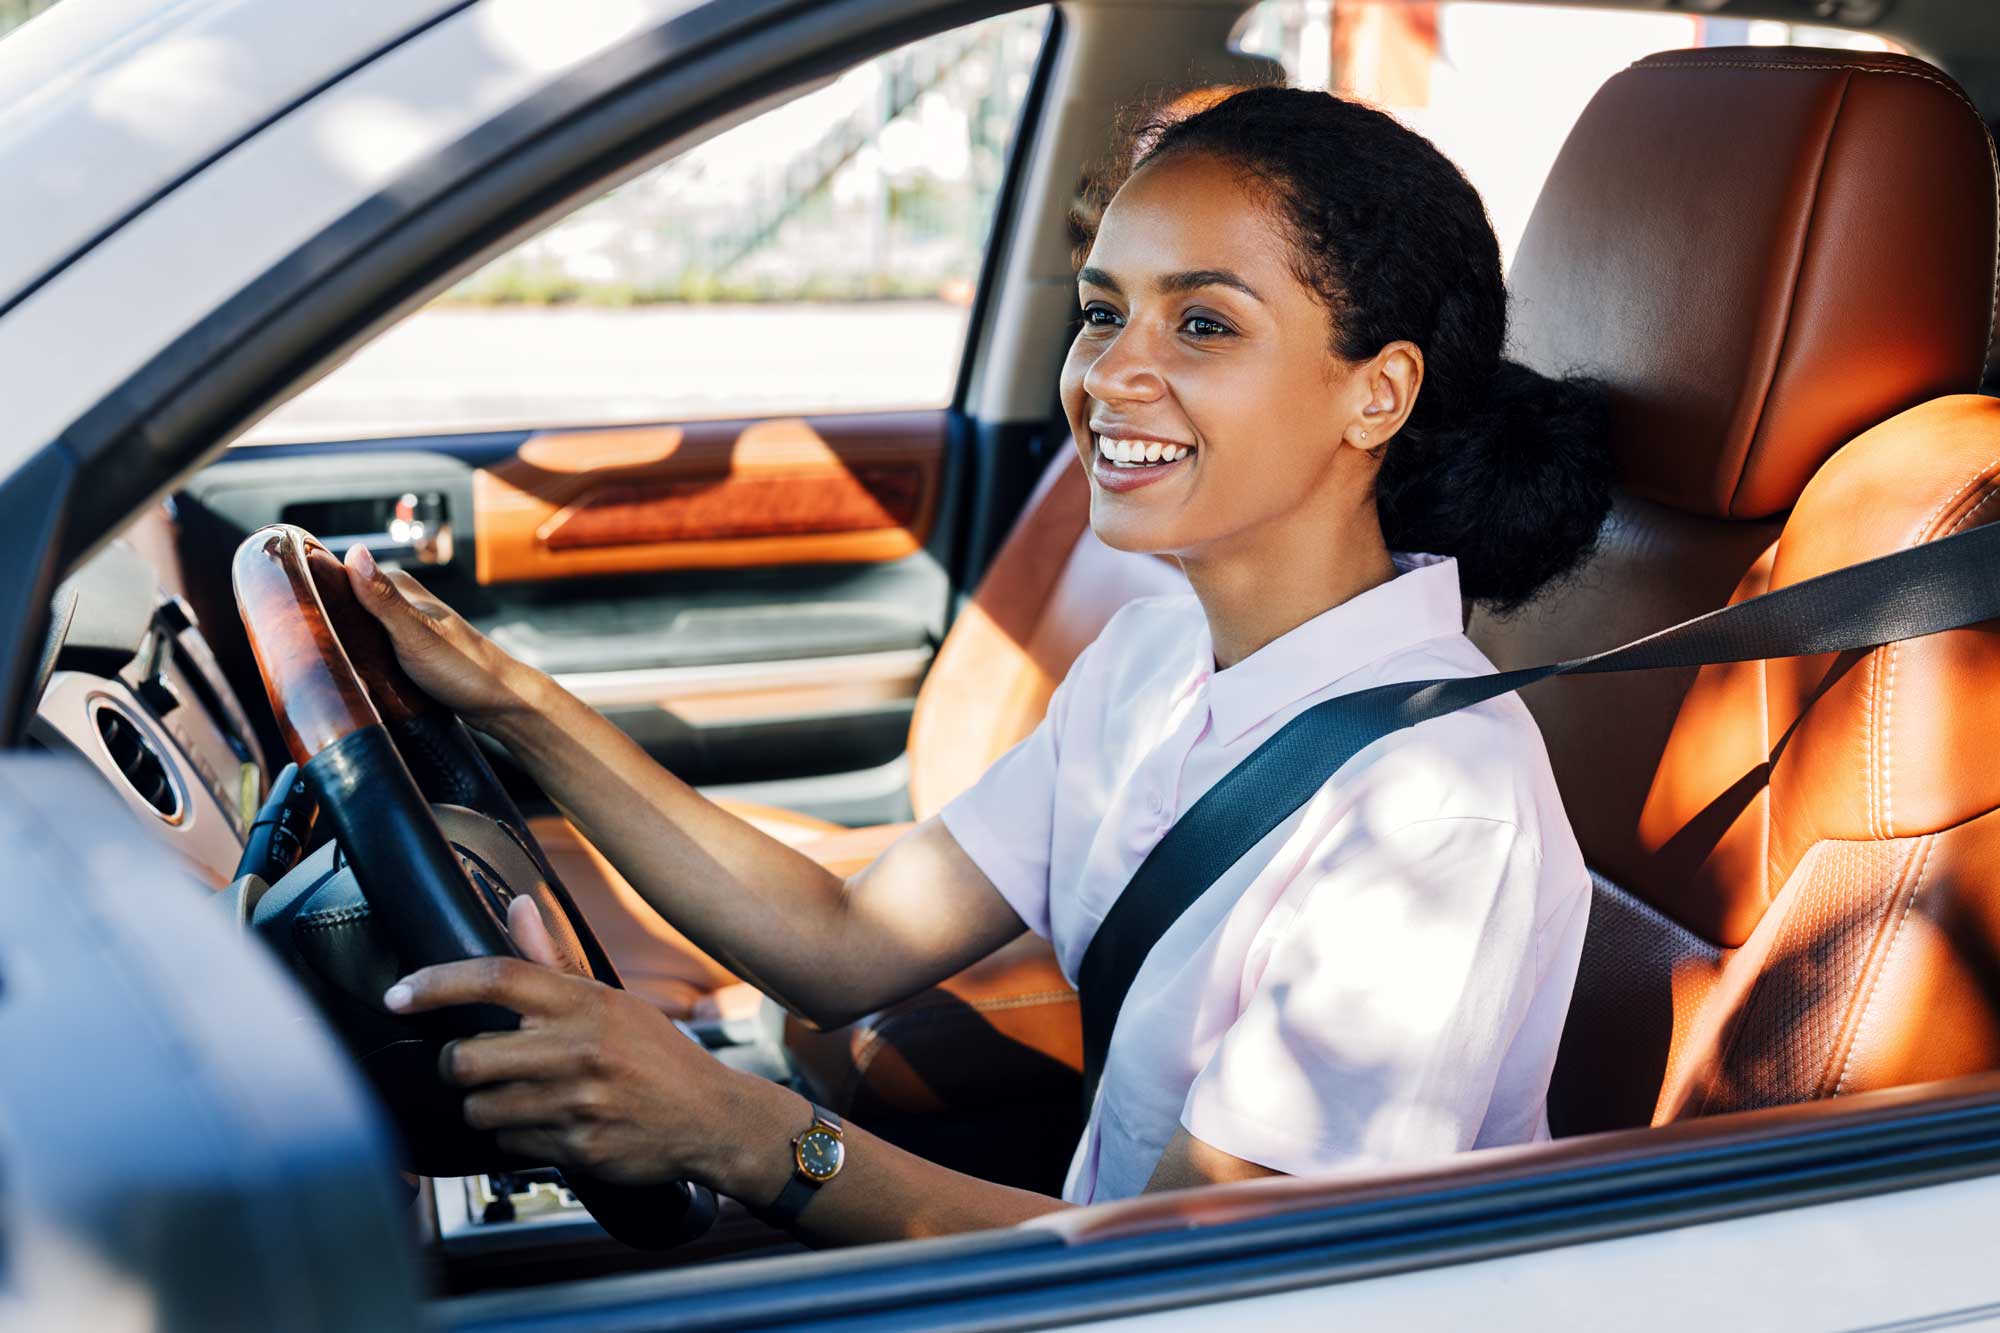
595 1078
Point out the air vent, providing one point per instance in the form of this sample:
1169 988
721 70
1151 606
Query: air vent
138 762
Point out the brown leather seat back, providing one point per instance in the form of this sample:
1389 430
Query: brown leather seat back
1767 254
1052 586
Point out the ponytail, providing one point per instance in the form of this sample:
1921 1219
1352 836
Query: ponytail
1516 488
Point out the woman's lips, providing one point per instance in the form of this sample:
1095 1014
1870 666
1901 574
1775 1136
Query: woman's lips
1131 476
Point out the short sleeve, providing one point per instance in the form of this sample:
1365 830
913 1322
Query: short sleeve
1385 1005
1006 821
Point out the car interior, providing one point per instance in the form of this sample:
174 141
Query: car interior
1782 259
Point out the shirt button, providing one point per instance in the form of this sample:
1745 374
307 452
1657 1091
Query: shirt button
1155 804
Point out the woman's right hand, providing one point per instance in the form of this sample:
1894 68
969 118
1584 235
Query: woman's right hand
447 658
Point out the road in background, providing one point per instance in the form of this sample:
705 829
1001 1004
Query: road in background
464 368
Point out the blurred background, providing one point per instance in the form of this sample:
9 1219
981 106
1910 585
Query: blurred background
822 256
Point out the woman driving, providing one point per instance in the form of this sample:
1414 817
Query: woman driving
1289 380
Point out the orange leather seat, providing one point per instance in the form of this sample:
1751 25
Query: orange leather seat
1780 261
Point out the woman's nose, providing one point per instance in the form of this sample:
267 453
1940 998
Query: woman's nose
1125 371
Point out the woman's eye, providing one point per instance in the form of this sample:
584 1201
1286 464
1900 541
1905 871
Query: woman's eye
1201 326
1099 317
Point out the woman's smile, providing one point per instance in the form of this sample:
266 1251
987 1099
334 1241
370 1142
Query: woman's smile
1125 462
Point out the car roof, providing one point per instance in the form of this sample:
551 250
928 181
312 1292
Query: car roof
106 104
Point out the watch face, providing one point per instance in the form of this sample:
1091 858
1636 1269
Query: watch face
820 1154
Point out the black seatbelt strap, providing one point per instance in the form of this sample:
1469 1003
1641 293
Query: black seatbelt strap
1925 589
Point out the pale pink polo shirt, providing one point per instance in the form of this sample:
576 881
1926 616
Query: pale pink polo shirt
1384 977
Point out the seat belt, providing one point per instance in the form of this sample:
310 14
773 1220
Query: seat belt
1906 594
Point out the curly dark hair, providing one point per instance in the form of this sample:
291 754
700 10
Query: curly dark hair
1502 467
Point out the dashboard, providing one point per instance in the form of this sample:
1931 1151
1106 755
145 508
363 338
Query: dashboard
127 682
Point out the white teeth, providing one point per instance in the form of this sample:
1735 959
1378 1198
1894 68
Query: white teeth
1134 453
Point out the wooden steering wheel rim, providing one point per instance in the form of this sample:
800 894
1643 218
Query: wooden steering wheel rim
327 664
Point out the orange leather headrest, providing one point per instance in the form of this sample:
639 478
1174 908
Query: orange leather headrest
1764 253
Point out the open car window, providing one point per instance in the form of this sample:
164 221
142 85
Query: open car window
820 257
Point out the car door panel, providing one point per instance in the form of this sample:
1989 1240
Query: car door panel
729 495
753 601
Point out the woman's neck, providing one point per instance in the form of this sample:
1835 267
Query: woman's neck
1254 595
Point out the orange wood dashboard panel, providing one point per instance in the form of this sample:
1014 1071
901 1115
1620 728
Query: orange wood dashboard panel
711 495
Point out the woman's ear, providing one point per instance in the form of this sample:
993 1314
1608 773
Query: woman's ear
1386 390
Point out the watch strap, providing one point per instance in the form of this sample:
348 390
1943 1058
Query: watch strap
799 1191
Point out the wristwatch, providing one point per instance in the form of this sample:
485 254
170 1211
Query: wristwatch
818 1152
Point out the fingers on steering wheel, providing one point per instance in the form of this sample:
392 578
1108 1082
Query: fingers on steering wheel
498 1057
518 1105
531 933
529 989
367 577
387 590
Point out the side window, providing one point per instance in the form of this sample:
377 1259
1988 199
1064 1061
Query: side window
821 257
1495 86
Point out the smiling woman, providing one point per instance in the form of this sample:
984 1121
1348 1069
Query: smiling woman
1288 379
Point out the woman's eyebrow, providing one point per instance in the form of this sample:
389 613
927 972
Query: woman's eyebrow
1186 281
1207 277
1097 277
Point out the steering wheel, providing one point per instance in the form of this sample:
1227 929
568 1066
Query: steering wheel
429 849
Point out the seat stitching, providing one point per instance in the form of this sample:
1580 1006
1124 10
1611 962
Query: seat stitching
1964 518
1874 745
1992 155
1732 1036
344 916
1877 751
1888 708
1683 63
1875 982
952 1007
1879 928
1888 698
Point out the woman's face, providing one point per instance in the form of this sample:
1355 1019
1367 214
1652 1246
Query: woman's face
1197 338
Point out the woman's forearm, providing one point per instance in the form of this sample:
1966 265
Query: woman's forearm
761 908
880 1193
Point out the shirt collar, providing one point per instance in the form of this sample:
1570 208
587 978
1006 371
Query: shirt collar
1421 603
